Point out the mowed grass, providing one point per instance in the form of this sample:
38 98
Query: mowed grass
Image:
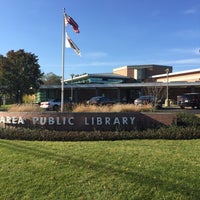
134 169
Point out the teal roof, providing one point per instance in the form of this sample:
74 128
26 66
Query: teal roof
99 78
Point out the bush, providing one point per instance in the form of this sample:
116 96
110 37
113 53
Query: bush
187 120
83 108
172 132
112 108
24 108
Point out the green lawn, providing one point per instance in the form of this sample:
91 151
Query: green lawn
118 170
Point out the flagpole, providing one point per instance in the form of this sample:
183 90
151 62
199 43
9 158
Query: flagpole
63 63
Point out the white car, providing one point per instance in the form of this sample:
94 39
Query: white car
144 100
53 104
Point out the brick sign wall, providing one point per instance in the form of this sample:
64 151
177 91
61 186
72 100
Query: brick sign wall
87 121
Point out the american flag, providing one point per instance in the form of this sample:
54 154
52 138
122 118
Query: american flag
70 20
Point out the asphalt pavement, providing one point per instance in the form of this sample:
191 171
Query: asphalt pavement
175 108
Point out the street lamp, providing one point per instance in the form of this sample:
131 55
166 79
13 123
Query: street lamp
167 96
72 76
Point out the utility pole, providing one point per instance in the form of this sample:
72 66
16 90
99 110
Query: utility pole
167 104
72 76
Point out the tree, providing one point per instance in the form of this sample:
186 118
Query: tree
3 88
51 79
157 91
20 73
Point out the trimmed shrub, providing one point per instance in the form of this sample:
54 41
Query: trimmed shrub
187 119
172 132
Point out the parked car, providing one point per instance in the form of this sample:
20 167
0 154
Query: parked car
53 104
189 100
144 100
100 100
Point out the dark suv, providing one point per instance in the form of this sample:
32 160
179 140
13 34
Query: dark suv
100 100
189 100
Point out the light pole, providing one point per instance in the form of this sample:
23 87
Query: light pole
167 96
72 76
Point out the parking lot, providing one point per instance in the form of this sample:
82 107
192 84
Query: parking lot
175 108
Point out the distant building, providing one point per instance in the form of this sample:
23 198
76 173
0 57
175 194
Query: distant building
183 76
141 73
101 78
127 82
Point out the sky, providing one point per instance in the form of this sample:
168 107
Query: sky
113 33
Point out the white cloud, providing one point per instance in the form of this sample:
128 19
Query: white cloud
155 13
182 62
188 33
96 55
190 11
197 51
97 64
185 51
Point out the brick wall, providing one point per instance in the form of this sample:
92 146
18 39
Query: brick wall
121 71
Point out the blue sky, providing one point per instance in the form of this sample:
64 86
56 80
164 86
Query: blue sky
113 33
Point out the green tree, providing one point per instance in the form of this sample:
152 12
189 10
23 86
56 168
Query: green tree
3 87
20 73
51 79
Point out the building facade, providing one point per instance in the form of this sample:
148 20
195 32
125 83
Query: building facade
127 82
141 73
183 76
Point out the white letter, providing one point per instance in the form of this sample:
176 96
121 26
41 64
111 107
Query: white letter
8 120
35 119
51 121
116 121
132 120
43 120
64 120
99 121
92 119
124 120
86 121
70 122
58 121
20 120
14 120
107 120
2 120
